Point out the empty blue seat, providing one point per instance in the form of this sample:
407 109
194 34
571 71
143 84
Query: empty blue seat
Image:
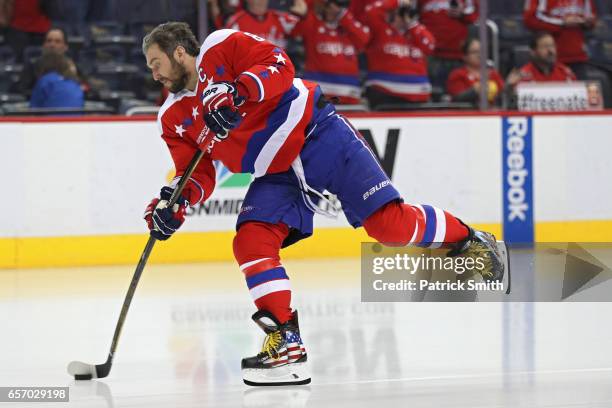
7 55
118 76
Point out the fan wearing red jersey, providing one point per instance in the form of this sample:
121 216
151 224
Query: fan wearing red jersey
397 54
282 130
567 21
463 84
449 22
333 38
543 66
257 18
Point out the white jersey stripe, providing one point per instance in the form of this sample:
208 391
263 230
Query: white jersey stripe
541 14
278 138
269 287
249 264
214 38
416 232
259 84
440 228
331 88
398 87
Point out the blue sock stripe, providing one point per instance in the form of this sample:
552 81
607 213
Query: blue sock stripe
265 276
430 225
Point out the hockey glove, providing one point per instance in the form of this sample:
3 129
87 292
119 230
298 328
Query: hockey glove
161 220
220 101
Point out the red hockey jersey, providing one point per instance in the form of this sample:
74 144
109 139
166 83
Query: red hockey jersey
275 116
461 79
548 15
531 73
331 54
274 26
397 61
450 32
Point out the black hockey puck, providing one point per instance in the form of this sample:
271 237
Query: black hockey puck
82 377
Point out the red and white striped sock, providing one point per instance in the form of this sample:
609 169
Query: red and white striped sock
256 248
422 225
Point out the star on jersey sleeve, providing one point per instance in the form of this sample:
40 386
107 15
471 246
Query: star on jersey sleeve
266 70
261 69
270 73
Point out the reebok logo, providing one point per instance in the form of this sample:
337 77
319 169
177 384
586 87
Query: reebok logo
517 173
376 188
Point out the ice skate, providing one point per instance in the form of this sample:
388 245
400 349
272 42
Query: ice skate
480 244
283 359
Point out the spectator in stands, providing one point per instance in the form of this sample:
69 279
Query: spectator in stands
6 12
28 26
55 40
544 66
397 54
449 22
57 85
220 11
567 22
464 83
333 38
357 8
258 19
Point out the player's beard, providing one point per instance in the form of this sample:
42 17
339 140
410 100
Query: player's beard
178 84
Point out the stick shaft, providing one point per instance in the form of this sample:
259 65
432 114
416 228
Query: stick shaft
143 261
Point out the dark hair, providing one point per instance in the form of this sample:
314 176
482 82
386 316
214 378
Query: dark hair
61 30
467 43
53 61
170 35
533 43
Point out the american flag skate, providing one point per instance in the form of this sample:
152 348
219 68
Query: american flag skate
290 352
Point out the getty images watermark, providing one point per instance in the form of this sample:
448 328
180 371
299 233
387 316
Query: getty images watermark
540 272
412 263
399 274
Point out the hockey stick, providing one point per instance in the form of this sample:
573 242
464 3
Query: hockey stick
84 371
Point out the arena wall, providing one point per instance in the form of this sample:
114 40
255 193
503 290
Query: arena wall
75 189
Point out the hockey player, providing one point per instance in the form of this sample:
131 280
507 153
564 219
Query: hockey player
283 131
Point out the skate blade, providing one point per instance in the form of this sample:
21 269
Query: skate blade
505 255
289 374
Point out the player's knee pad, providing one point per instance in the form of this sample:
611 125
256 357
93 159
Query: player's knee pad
392 224
257 240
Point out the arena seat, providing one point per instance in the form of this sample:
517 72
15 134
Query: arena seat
7 55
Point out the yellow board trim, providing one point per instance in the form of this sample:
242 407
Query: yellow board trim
35 252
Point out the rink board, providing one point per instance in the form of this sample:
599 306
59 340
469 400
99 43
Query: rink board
75 189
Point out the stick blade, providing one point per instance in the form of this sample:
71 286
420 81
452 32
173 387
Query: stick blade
82 371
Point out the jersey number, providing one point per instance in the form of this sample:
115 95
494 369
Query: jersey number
255 37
